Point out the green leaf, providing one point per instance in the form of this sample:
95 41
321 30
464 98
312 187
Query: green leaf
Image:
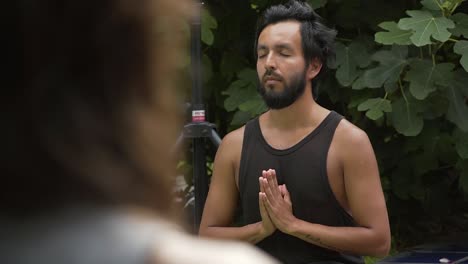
461 47
391 64
423 77
375 107
458 109
460 80
316 4
394 35
346 72
360 54
240 118
432 4
242 90
254 105
359 83
390 87
461 143
434 106
208 23
238 93
248 75
425 25
456 94
461 25
348 61
405 119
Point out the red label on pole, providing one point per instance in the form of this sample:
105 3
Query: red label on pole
198 115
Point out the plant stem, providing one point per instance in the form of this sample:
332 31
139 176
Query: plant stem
402 92
454 7
344 39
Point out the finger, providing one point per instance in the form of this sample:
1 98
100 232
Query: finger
268 206
286 195
273 176
261 184
261 205
268 190
273 184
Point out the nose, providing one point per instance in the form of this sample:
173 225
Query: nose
270 63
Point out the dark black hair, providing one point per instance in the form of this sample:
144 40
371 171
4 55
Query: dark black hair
317 39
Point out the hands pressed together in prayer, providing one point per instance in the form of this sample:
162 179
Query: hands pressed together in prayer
275 205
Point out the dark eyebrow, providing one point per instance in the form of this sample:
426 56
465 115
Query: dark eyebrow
277 46
262 47
283 46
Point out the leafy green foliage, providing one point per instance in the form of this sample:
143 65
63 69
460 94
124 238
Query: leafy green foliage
461 47
425 25
208 24
424 77
375 107
432 4
461 22
349 60
391 65
394 35
243 96
405 118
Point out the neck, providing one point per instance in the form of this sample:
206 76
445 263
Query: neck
302 113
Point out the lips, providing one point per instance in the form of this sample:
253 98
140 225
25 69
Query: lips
271 78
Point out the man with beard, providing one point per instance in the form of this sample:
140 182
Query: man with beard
306 179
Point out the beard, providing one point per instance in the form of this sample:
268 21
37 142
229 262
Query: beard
290 93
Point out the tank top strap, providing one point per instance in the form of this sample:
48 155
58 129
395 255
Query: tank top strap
251 132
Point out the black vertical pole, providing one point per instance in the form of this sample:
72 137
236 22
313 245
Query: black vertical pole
198 115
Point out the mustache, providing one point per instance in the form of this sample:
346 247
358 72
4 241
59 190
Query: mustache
271 73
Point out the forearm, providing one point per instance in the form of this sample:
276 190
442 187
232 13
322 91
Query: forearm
251 233
355 240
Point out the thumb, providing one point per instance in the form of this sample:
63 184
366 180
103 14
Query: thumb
285 193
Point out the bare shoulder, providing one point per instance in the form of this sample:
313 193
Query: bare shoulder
231 145
234 137
354 151
349 137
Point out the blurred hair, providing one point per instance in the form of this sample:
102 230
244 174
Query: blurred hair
317 39
87 112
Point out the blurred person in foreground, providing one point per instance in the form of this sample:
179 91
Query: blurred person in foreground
306 179
88 115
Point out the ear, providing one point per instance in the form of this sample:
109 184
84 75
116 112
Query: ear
314 68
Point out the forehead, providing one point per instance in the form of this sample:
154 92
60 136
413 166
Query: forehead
287 32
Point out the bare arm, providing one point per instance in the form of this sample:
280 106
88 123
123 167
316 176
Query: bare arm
366 202
223 195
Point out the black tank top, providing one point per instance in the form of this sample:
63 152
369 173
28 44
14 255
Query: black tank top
303 168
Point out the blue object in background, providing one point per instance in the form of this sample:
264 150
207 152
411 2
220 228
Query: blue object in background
440 253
